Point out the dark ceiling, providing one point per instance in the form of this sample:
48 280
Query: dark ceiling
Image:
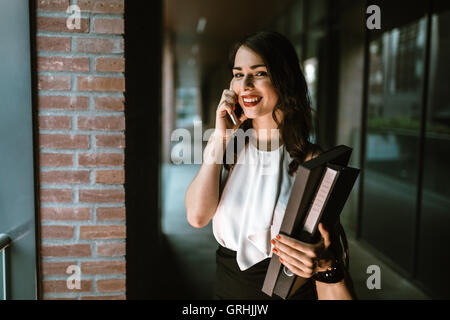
226 22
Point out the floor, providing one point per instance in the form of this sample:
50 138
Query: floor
191 252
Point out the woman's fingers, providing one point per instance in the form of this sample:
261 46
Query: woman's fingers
284 250
304 273
325 235
229 99
306 248
297 261
225 107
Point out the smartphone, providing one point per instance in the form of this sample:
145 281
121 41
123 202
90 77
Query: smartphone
236 114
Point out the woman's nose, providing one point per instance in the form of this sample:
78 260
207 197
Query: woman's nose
248 82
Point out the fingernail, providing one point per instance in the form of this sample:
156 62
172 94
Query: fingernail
275 250
278 237
281 260
273 242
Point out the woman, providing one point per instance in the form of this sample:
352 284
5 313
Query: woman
246 199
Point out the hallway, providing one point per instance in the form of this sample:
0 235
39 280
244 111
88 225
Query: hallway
192 251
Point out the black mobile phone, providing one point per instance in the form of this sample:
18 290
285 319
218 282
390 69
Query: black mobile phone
237 111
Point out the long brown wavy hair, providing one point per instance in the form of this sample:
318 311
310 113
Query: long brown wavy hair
289 82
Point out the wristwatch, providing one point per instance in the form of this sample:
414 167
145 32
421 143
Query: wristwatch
333 274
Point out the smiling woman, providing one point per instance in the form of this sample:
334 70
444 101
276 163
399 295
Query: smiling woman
246 200
253 83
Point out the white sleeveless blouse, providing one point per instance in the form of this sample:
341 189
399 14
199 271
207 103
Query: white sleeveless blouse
252 204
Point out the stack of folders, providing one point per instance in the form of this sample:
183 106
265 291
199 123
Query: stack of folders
321 188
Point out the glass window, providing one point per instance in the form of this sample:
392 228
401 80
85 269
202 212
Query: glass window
435 214
393 141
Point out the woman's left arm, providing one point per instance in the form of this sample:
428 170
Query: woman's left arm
306 259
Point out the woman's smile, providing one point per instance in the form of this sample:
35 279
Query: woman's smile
251 100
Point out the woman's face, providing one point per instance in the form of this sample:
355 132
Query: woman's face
252 84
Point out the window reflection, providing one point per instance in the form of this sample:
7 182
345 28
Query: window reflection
393 140
435 217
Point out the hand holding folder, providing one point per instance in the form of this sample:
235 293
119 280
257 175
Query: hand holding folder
321 188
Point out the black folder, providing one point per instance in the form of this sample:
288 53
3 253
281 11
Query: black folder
308 178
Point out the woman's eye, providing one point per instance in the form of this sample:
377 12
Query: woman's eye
258 74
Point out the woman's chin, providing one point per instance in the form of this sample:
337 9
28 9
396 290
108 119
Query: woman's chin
251 114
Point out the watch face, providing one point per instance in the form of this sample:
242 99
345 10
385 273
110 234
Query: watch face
288 272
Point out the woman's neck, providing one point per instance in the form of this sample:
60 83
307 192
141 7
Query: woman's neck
266 130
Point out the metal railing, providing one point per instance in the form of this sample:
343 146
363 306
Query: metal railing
5 241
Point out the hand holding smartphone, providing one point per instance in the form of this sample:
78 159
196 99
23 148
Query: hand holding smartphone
237 110
229 114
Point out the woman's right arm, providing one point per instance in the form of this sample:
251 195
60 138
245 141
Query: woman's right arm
202 195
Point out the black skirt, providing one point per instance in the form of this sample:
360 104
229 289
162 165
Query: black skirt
234 284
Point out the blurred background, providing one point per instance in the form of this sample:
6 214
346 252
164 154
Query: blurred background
382 92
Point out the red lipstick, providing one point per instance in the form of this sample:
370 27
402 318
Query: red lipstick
251 100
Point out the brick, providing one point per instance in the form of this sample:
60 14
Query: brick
55 160
54 268
64 102
103 267
110 214
57 232
102 232
91 83
111 285
56 195
115 249
113 297
53 5
52 24
114 196
53 286
64 177
63 64
109 103
59 298
109 26
110 141
102 6
110 64
62 44
110 177
70 250
63 141
54 83
100 45
55 122
100 159
65 214
101 123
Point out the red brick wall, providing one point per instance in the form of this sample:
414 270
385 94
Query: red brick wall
82 141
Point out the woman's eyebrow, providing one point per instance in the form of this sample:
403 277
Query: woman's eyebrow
252 67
